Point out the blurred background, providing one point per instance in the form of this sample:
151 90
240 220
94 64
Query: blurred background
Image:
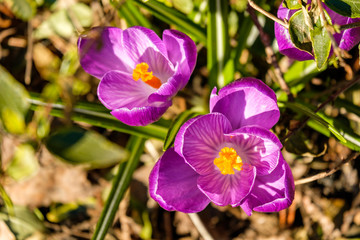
60 148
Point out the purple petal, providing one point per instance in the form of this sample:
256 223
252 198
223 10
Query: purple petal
199 141
181 51
346 40
119 89
350 37
140 116
168 89
172 183
247 101
271 193
258 147
227 189
101 51
138 40
286 47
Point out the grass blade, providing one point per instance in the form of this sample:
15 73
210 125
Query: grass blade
218 43
102 118
174 17
119 186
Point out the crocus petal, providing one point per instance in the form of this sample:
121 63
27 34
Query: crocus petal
184 56
256 146
271 193
246 102
286 47
137 40
346 39
227 189
118 89
199 141
140 116
168 89
172 183
184 60
101 50
350 37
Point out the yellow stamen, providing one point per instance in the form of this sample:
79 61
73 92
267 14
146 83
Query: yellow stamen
141 71
228 160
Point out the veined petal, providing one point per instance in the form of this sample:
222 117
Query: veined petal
118 89
137 40
168 89
172 183
258 147
271 193
227 189
199 141
101 50
141 116
350 37
247 101
184 56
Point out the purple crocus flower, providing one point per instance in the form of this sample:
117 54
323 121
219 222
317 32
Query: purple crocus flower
139 72
228 157
346 39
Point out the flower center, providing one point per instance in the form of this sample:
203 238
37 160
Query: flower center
141 71
228 160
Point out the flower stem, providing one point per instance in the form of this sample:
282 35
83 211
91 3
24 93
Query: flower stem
350 25
119 186
267 14
271 58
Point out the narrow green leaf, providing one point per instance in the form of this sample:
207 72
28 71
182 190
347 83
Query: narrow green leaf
320 39
175 126
348 8
352 140
131 14
7 201
243 33
349 106
102 118
79 146
120 184
174 17
218 43
297 107
23 9
300 32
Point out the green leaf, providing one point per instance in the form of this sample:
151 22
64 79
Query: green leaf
120 183
321 41
175 126
292 4
348 8
79 146
352 139
297 107
300 31
173 17
24 163
13 104
23 9
98 115
131 14
61 24
23 223
83 14
218 43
